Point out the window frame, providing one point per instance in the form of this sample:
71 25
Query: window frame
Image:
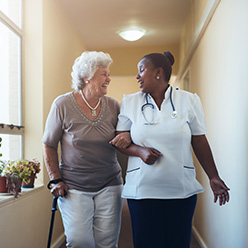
8 128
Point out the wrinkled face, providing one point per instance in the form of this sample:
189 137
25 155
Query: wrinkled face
146 76
100 81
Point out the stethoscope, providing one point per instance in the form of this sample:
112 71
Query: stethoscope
174 113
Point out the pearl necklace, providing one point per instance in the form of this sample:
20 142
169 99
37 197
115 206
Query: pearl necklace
93 109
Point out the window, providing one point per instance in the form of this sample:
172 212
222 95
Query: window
11 126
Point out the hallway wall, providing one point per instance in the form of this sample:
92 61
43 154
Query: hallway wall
218 72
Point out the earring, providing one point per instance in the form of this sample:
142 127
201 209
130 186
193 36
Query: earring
87 81
157 77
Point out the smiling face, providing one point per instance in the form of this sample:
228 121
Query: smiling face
146 76
100 81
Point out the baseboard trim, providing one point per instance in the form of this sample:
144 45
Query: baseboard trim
59 242
198 238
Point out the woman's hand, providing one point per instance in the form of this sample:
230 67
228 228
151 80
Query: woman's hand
121 140
220 190
124 144
59 189
149 155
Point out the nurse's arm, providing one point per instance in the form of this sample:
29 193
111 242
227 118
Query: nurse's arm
147 154
204 155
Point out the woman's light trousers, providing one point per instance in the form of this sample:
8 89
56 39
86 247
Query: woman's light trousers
92 219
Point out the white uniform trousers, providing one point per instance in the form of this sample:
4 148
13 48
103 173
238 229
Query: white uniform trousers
92 219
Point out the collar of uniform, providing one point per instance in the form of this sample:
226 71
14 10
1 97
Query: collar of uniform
167 93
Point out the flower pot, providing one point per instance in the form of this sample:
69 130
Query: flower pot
31 183
3 186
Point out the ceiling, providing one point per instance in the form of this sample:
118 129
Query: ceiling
99 20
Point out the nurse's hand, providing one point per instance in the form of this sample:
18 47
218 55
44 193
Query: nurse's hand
220 190
149 155
121 140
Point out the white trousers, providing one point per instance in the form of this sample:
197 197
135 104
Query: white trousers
92 219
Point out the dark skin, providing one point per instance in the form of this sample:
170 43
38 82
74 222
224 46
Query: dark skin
204 155
152 81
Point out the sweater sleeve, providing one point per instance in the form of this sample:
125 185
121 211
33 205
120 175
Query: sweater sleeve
53 129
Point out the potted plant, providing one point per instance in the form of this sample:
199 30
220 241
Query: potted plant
3 179
33 166
19 171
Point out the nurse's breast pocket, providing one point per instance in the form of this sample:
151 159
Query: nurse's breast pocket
132 170
189 167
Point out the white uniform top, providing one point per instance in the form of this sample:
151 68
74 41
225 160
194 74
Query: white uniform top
173 174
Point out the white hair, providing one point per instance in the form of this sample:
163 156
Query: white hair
86 65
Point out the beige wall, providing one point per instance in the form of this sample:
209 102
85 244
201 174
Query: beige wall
50 46
125 60
62 45
121 85
218 72
192 23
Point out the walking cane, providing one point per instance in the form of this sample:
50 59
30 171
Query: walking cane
54 209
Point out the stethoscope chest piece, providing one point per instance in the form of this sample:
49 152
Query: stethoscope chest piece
174 114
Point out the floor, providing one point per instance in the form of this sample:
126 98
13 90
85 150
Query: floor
125 239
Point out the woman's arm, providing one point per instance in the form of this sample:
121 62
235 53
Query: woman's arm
52 165
147 154
204 155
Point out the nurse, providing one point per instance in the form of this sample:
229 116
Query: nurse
161 186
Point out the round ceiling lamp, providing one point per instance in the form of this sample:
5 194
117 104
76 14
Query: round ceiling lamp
132 34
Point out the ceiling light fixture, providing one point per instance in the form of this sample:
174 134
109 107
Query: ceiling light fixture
132 34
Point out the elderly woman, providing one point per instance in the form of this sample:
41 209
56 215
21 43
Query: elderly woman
83 122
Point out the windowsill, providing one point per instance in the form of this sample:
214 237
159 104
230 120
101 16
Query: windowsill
9 199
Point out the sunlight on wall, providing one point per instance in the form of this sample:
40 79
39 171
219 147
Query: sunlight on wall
121 85
218 70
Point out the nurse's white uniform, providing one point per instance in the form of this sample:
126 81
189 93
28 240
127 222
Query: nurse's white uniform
173 174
